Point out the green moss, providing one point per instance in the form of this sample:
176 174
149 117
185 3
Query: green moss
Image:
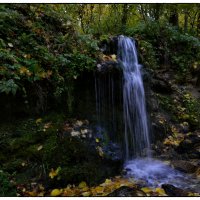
13 165
78 159
6 188
78 162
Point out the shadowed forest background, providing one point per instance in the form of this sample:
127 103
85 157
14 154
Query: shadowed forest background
51 58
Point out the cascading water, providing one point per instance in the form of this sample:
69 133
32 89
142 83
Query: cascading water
135 116
110 88
137 142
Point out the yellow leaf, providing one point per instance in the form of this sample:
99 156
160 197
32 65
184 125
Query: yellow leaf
108 181
161 121
100 151
167 141
41 187
86 194
58 170
24 70
82 185
146 189
160 191
55 192
68 192
99 189
10 44
40 148
47 125
39 120
32 194
53 172
85 189
97 140
41 194
27 56
114 57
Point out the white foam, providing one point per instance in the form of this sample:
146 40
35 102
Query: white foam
155 173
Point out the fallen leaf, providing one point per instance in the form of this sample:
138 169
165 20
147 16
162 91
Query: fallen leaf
32 194
79 123
146 189
75 133
47 125
82 185
39 120
114 57
10 44
108 181
55 192
40 148
100 151
99 189
54 173
86 194
41 187
160 191
83 131
97 140
40 194
84 189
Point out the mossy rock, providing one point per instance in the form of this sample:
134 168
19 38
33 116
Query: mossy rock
79 162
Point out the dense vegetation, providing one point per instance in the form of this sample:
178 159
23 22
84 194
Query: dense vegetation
45 49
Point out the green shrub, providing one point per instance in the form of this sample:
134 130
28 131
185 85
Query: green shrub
167 45
39 48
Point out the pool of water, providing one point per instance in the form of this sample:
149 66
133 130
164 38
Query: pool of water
154 173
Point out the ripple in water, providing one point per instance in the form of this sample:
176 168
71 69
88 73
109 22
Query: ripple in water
155 173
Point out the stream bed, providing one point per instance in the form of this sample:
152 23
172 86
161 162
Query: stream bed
155 173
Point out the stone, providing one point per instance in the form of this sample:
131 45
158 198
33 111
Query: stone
173 191
184 166
161 86
190 145
125 191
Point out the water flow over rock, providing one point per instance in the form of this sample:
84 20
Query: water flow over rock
135 117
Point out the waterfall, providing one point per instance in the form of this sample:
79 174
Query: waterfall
137 142
121 113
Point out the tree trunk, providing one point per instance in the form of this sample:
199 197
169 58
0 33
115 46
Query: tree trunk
124 16
173 19
186 22
198 25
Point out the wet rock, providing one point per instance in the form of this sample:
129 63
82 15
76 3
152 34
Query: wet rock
160 126
190 145
184 166
125 191
173 191
112 151
154 104
108 66
161 86
109 45
159 132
